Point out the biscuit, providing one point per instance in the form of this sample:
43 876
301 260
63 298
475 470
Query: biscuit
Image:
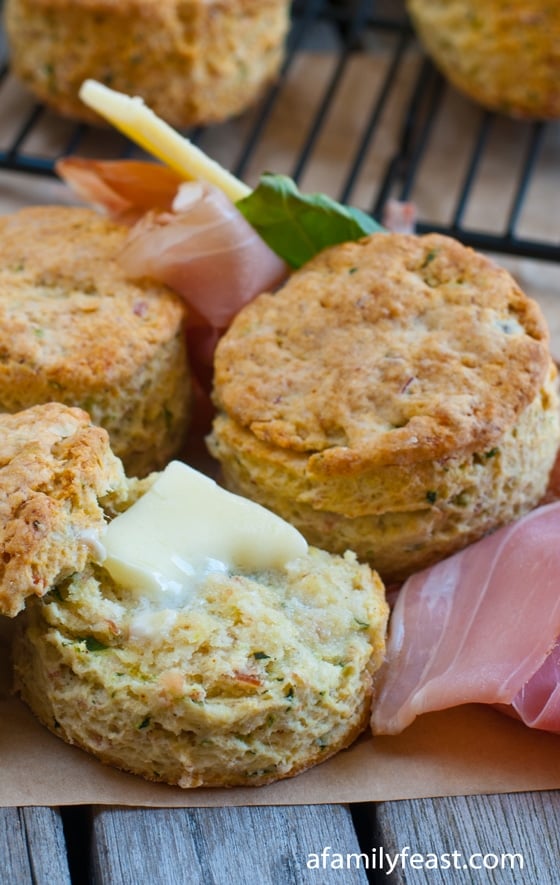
58 478
243 677
396 397
193 61
258 677
75 330
481 45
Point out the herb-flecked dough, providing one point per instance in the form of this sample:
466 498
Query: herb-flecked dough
396 397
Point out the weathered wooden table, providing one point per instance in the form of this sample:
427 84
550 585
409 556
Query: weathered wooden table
510 838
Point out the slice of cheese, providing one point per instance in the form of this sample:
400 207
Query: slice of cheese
139 123
186 526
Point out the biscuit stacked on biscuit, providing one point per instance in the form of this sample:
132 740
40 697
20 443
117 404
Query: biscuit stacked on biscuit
193 61
74 329
253 677
396 397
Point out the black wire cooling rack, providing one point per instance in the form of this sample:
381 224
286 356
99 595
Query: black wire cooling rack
518 158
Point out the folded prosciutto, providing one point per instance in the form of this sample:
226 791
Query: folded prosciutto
206 251
186 234
479 627
123 189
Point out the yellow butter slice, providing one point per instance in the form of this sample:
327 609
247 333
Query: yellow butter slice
187 526
139 123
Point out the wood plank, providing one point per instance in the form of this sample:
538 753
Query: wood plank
32 846
522 824
240 846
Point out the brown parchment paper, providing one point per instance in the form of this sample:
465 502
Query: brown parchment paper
457 752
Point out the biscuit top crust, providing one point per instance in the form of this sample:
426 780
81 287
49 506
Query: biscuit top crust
69 317
390 350
55 469
158 10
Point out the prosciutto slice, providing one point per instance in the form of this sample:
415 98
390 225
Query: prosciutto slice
206 251
538 702
123 189
185 234
479 627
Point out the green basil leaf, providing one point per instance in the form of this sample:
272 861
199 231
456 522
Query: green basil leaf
297 226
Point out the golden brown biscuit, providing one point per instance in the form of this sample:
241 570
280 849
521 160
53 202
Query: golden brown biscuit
506 56
192 61
396 397
57 473
238 677
74 329
257 678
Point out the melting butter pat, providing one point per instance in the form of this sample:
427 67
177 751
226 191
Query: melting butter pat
186 526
